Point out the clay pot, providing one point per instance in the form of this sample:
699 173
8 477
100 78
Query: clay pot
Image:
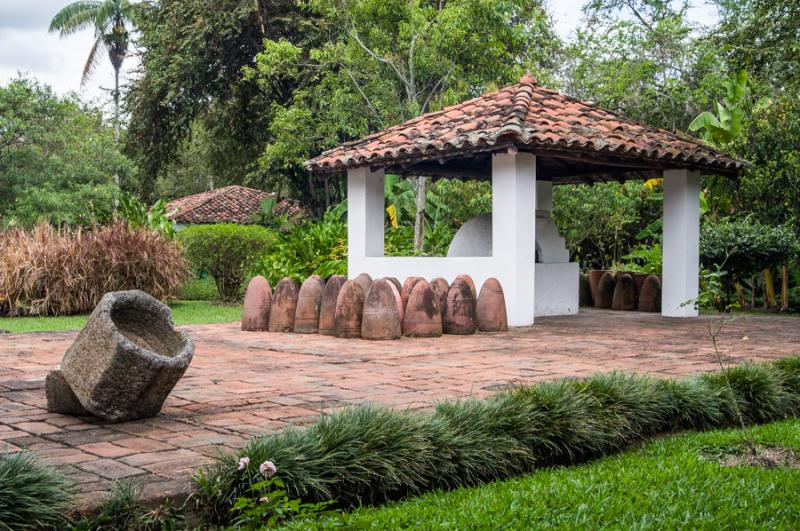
256 306
408 285
605 291
284 306
349 310
423 317
440 287
584 291
309 300
650 295
471 283
638 280
365 281
594 279
624 293
327 309
382 318
491 308
459 313
396 283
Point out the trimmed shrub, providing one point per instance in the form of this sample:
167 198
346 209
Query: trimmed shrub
225 251
32 496
48 271
369 454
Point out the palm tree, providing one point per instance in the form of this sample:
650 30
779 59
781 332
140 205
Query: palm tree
109 19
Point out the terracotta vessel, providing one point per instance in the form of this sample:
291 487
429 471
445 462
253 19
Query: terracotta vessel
309 301
440 287
256 306
650 295
594 279
363 280
638 280
423 318
381 317
624 293
327 326
459 313
396 283
349 310
408 285
491 308
471 283
284 306
605 291
584 291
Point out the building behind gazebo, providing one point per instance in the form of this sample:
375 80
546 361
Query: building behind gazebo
525 139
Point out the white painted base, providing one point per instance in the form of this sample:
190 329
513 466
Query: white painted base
556 289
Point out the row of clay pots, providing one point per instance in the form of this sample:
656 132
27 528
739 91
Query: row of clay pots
379 309
622 291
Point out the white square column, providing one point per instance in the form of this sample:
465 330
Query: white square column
514 231
681 251
365 207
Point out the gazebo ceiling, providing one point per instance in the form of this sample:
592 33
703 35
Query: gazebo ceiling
574 141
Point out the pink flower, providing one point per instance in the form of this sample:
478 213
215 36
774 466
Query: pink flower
243 462
268 469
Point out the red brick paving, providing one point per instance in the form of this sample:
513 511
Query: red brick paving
245 383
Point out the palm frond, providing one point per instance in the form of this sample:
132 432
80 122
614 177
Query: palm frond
91 61
75 17
108 12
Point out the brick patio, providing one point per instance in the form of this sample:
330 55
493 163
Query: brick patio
240 384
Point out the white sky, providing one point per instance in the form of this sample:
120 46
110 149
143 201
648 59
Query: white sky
26 46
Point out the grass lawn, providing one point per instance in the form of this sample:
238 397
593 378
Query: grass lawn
183 313
666 484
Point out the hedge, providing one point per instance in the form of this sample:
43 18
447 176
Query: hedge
370 454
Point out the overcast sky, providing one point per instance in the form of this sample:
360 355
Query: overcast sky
26 46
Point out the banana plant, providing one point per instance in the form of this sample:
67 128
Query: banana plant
724 127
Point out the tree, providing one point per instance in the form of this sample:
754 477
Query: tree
193 52
384 62
644 59
109 19
56 158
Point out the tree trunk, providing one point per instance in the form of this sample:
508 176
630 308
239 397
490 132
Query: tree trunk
116 134
419 219
785 288
769 288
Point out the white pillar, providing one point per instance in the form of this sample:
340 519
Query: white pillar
514 230
681 251
544 196
365 206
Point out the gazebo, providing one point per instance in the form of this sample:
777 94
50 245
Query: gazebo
526 138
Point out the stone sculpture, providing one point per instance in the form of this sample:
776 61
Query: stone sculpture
124 363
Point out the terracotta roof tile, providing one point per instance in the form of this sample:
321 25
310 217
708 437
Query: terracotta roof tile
230 204
524 114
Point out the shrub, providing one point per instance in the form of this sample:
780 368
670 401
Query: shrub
49 271
369 454
310 248
32 496
226 252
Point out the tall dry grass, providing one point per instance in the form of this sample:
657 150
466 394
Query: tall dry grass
49 271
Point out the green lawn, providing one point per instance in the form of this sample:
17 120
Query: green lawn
183 313
667 484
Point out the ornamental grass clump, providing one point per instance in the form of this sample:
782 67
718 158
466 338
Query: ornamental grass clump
49 271
370 454
32 496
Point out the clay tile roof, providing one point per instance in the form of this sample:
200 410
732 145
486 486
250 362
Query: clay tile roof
230 204
525 114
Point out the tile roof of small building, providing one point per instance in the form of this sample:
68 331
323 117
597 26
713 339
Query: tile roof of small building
532 118
230 204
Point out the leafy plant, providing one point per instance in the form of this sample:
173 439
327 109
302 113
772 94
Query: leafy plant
724 127
226 252
644 259
268 216
268 505
32 496
136 214
310 248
